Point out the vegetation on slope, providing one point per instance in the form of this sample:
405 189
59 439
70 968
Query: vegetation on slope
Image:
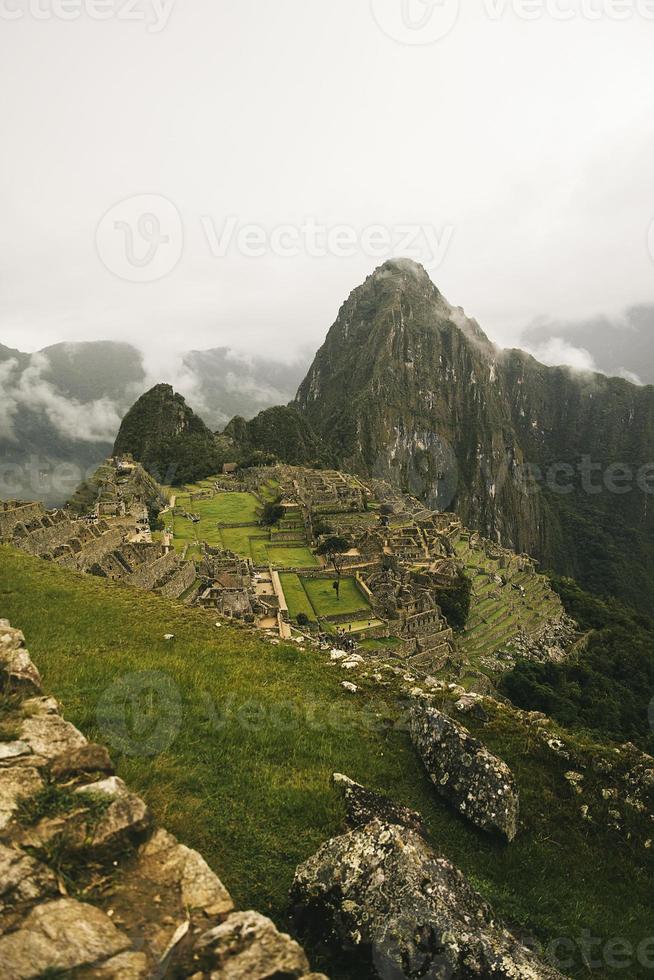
169 439
245 736
607 687
281 433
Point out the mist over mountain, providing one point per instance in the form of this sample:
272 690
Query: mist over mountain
619 347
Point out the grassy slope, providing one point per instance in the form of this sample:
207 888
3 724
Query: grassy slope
254 796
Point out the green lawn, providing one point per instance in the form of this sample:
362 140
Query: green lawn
322 594
245 774
296 557
232 508
296 598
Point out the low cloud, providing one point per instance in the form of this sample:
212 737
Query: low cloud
557 352
28 390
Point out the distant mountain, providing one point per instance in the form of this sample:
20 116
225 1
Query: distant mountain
619 347
406 387
281 432
168 438
59 412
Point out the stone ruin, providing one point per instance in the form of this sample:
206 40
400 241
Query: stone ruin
228 584
413 615
107 547
145 905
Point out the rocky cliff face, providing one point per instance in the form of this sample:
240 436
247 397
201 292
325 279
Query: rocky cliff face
407 388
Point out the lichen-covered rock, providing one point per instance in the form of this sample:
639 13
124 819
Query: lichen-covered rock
464 772
363 805
59 935
10 751
17 672
125 966
248 947
16 784
45 731
22 879
382 891
84 760
166 862
152 896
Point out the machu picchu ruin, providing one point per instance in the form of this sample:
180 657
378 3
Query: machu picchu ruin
211 547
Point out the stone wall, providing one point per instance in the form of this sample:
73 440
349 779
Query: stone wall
13 513
181 580
133 903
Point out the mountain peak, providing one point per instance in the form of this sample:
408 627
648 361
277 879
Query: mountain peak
402 266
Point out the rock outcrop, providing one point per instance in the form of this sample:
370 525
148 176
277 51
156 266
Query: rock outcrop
363 805
382 892
464 772
89 888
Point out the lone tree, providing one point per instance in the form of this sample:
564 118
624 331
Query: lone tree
333 549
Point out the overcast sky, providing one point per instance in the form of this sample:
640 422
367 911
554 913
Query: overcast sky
519 153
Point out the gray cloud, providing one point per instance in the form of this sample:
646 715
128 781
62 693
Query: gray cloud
27 390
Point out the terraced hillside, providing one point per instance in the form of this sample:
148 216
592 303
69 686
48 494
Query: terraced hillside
508 598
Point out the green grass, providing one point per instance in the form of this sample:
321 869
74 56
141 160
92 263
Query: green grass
249 787
322 595
238 539
380 644
232 508
226 508
295 557
296 598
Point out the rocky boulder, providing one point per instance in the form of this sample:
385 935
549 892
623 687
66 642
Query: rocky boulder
381 891
464 772
17 672
248 947
363 805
